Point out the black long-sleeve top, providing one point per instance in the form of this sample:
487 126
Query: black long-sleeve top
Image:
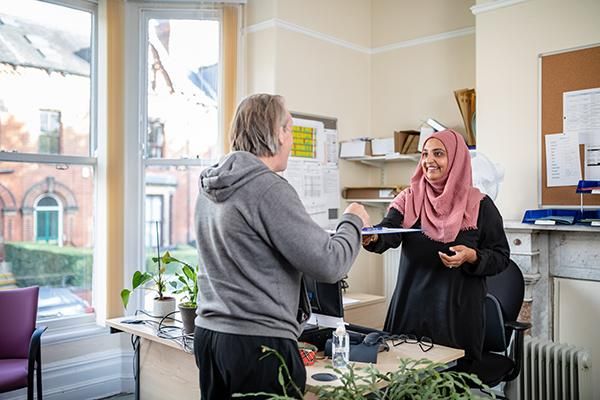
445 304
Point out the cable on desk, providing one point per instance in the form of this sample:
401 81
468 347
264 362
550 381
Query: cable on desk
170 332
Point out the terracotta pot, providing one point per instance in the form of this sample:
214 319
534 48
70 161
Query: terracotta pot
163 307
188 314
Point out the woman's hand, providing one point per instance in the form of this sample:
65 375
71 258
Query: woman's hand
368 239
462 254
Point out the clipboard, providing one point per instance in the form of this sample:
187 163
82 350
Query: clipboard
383 230
380 230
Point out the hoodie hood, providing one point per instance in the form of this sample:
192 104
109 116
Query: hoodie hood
233 171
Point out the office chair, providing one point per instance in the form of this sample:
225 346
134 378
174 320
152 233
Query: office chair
502 305
20 351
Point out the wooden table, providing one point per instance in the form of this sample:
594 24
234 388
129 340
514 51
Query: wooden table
388 361
163 369
166 371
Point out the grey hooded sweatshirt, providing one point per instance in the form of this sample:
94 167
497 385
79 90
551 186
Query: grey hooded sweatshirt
255 240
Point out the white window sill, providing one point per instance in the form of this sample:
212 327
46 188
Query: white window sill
68 329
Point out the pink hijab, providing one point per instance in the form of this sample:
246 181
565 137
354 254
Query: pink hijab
447 206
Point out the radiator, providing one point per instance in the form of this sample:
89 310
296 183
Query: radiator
552 371
391 262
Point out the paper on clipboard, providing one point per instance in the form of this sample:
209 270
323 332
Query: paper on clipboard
383 230
379 230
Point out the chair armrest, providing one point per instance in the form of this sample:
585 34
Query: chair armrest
34 346
517 326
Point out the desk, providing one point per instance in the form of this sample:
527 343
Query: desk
387 361
368 310
165 371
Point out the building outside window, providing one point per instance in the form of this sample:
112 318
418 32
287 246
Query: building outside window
49 141
48 153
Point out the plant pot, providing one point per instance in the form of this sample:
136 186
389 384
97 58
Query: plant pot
188 315
163 307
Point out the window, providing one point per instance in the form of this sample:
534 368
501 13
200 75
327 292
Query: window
48 166
175 127
49 141
156 139
154 221
47 220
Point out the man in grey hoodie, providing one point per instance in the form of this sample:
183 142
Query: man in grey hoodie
255 242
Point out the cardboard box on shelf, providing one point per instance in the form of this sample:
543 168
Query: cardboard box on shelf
405 142
372 192
355 148
383 146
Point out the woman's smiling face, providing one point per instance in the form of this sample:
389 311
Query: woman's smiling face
434 160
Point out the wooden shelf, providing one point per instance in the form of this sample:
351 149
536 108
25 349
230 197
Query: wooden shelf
379 161
371 202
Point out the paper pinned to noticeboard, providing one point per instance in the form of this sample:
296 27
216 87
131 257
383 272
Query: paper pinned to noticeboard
563 167
581 115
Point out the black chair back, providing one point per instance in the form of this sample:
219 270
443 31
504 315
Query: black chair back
495 339
508 288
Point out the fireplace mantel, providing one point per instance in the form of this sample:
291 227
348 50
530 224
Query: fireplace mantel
544 252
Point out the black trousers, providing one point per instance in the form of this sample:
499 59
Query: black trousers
231 364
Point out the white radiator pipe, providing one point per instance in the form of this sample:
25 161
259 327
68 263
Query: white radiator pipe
391 262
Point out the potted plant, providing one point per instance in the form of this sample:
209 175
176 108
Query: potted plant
157 282
413 379
186 283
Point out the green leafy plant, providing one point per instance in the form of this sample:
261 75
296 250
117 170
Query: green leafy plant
413 379
149 281
283 377
186 282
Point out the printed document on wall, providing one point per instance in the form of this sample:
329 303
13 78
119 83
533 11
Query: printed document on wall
592 162
581 115
313 170
563 167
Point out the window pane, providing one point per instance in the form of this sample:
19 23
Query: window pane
169 206
183 88
45 78
46 234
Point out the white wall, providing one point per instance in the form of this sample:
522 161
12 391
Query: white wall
509 40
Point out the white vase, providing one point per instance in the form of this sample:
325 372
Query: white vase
163 307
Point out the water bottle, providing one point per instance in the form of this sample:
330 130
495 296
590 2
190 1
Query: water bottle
340 347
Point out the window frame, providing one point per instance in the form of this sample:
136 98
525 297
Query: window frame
137 16
90 160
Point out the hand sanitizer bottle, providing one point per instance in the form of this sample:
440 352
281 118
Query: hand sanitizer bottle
340 347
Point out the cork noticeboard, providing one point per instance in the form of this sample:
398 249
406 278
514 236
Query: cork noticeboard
565 72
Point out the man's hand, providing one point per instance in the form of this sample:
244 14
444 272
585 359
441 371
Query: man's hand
358 210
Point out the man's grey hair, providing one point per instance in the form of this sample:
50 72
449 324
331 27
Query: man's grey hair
256 124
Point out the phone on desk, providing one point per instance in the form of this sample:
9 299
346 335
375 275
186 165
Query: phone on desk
132 321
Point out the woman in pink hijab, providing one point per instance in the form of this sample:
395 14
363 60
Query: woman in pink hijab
441 286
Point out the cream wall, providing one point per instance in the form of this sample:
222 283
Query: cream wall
401 20
509 40
323 57
315 56
413 83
